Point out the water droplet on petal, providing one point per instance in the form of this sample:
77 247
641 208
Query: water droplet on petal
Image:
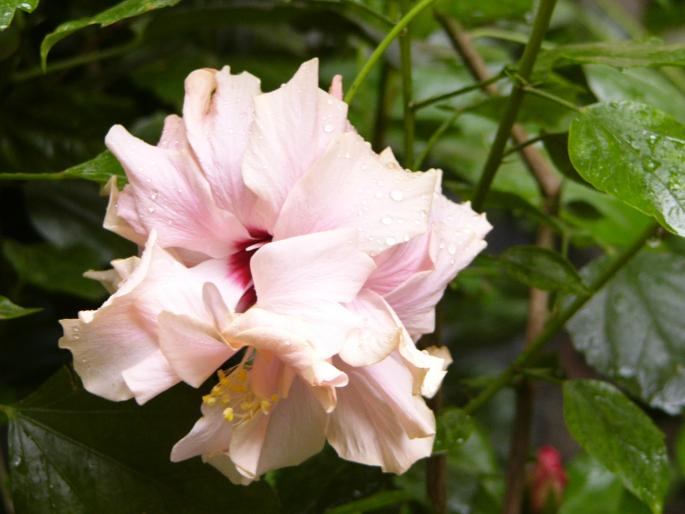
452 249
150 210
386 220
396 195
390 241
328 128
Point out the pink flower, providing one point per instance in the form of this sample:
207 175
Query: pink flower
270 226
548 480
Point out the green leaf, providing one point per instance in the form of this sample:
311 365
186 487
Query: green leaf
556 145
636 153
454 427
98 169
9 7
373 502
478 12
73 452
55 269
592 489
616 432
542 268
9 310
621 54
632 330
642 85
680 450
121 11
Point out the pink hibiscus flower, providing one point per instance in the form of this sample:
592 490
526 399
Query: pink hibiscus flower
272 229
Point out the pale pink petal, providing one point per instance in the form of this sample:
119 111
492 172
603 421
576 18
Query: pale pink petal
377 332
111 279
195 350
290 340
300 271
349 186
457 236
379 421
223 463
428 366
291 433
399 263
123 333
171 195
210 435
336 89
218 111
149 377
293 127
120 202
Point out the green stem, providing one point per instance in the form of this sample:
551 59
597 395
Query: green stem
555 324
383 45
521 146
434 138
59 175
407 88
511 110
552 98
462 90
80 60
505 35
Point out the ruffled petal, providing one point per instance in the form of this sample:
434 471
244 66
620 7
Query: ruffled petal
293 127
298 272
379 421
291 433
376 333
349 186
195 350
171 195
457 236
122 335
218 111
210 435
121 216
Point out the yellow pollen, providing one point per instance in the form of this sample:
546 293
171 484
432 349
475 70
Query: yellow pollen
241 404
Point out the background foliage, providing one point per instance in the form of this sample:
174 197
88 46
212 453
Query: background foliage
604 106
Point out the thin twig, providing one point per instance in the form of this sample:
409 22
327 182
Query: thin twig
462 90
383 45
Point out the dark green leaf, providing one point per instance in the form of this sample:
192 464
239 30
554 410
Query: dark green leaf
99 169
474 12
55 269
454 427
9 310
621 54
642 85
632 330
71 213
616 432
680 450
121 11
373 502
636 153
73 452
542 268
8 8
592 489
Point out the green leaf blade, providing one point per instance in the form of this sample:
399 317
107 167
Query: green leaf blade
636 153
9 7
542 268
121 11
10 310
454 427
616 432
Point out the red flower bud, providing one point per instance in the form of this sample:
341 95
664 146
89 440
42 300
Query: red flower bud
547 481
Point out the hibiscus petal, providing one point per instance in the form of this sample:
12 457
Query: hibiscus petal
428 366
457 236
377 333
350 187
379 421
149 377
171 195
123 333
218 111
122 202
211 434
194 350
111 279
293 127
324 266
291 433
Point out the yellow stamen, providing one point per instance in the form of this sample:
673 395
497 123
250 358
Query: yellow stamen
228 414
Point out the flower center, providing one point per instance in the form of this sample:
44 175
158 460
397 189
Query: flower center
233 392
239 267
